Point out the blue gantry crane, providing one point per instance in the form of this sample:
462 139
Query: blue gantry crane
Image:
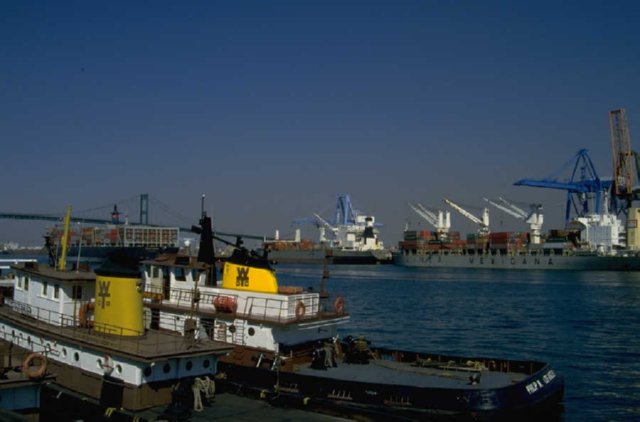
583 187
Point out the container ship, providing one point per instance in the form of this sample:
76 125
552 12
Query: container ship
595 238
95 243
596 242
354 239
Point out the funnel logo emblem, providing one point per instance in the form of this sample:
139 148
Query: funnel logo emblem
104 293
242 280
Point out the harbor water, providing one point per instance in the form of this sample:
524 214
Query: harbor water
585 324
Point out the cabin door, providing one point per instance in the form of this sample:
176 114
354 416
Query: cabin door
166 283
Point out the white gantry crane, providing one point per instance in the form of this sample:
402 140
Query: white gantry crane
534 217
483 222
441 222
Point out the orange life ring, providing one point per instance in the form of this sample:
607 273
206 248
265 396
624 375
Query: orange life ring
82 314
339 305
300 309
36 371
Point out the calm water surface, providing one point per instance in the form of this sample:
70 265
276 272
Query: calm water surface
585 323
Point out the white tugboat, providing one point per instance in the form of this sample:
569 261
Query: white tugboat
87 330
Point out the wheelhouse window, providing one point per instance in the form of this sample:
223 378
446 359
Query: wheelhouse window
76 292
26 283
45 288
56 291
180 274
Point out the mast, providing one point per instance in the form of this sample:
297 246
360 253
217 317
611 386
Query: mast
62 261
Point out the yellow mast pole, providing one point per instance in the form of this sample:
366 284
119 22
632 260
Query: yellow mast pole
62 262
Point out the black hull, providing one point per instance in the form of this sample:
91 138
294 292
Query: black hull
341 397
327 256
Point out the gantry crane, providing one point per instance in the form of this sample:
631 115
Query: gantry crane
534 217
483 223
441 222
583 187
624 159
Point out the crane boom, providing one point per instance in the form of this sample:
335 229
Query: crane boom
483 223
427 215
441 222
428 212
534 218
516 208
623 157
323 221
505 209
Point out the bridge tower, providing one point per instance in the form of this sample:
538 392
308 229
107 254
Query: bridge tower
144 209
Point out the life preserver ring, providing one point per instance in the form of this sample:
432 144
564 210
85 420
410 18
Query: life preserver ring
106 364
82 315
34 372
300 309
339 305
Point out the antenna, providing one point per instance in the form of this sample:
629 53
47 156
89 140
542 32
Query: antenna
79 246
202 206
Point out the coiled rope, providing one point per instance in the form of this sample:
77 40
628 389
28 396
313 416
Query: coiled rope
205 386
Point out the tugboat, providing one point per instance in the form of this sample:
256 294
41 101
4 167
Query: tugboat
87 330
287 348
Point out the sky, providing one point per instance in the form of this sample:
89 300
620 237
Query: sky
273 108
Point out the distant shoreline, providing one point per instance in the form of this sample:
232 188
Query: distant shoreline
24 251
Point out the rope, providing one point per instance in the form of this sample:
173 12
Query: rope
204 386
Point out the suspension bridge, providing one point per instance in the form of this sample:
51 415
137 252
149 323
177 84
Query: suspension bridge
163 216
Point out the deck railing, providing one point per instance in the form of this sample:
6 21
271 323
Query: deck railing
258 307
100 334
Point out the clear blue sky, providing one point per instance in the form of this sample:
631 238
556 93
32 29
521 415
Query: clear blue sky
271 108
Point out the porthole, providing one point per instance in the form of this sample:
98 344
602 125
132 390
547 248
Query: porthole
64 352
147 371
76 356
232 329
99 361
29 340
119 369
189 365
206 363
166 368
252 331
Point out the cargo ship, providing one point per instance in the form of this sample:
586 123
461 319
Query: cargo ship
596 242
354 239
93 244
88 331
287 348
